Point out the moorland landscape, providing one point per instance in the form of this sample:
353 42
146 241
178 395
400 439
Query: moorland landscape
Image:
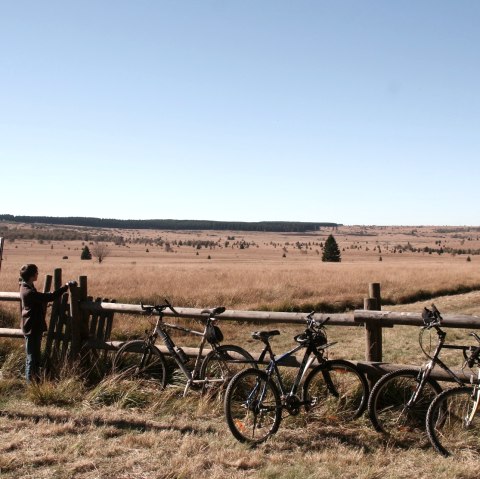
72 427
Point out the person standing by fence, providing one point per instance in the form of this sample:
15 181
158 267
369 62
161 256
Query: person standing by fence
33 318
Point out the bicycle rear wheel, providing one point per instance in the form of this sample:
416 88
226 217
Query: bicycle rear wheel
388 404
253 407
452 425
335 390
220 365
137 360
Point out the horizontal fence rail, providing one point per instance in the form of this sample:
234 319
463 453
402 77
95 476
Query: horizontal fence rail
9 296
393 318
356 318
229 315
83 322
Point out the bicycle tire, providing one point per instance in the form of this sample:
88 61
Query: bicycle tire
224 363
250 417
387 404
335 390
446 426
137 360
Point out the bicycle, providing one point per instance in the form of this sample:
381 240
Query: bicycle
453 425
255 399
399 401
142 360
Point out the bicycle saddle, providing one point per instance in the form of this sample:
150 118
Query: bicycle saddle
214 311
265 335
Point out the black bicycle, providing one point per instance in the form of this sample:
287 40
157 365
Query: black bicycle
142 360
333 390
453 418
399 401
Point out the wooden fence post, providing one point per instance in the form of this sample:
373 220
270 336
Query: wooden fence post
1 252
84 315
47 284
75 318
57 283
373 332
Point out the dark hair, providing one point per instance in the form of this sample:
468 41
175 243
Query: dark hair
27 271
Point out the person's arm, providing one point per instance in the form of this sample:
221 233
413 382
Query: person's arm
37 297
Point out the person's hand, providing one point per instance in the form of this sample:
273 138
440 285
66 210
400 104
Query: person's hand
71 283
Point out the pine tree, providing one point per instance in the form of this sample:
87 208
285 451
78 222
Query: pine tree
331 253
86 253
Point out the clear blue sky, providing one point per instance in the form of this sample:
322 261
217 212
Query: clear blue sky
359 112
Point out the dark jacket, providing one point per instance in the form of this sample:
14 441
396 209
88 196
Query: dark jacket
33 308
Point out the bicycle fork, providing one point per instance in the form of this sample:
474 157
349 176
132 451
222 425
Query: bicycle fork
476 403
423 374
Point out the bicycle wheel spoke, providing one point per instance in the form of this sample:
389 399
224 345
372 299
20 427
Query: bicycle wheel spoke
134 362
252 406
393 410
448 425
337 392
219 367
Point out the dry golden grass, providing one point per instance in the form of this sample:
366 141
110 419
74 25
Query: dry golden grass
258 276
177 437
116 432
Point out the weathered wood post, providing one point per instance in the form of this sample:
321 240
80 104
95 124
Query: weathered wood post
1 252
373 330
57 283
85 315
76 319
47 283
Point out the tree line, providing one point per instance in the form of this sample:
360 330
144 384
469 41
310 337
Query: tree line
168 224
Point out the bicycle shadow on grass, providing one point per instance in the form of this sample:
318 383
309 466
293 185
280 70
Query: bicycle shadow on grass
320 437
122 424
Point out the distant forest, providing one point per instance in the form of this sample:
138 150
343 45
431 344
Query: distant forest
271 226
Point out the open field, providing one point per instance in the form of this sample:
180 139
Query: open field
259 270
78 430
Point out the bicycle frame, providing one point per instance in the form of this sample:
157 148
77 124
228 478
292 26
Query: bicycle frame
310 355
427 369
191 376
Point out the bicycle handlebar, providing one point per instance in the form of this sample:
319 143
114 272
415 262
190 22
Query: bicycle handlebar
431 318
313 323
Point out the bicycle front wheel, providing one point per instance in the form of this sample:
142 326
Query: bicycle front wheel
221 364
253 407
137 360
392 406
453 423
335 390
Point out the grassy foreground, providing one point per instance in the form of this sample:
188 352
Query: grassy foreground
172 437
117 431
69 429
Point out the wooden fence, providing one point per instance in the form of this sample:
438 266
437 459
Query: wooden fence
80 323
1 252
